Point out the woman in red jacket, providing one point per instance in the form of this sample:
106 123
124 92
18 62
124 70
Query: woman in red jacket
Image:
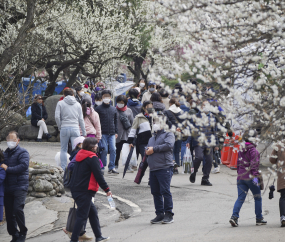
85 182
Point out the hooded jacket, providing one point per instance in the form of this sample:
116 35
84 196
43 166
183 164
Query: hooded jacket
92 124
158 106
68 113
248 162
87 176
135 106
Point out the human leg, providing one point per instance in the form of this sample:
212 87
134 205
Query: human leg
155 191
257 198
19 204
199 154
9 213
112 148
74 133
119 147
105 151
94 221
282 203
208 155
142 149
183 150
41 130
242 188
176 151
64 139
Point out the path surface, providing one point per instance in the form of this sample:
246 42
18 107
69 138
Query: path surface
201 213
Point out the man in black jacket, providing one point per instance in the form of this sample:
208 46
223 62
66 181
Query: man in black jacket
108 120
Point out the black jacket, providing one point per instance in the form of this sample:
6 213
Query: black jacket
108 119
173 118
37 114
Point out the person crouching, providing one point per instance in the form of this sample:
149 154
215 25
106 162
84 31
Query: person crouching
160 154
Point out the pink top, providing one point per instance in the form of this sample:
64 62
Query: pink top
95 126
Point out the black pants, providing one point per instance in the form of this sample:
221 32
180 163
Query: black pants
14 209
206 154
85 209
140 149
282 202
119 147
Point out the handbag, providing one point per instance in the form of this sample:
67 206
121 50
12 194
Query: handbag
124 120
71 219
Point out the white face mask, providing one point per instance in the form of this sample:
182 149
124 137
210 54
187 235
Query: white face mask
107 100
11 144
142 84
120 105
98 103
156 127
81 93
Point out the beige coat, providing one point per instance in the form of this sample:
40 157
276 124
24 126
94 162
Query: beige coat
280 167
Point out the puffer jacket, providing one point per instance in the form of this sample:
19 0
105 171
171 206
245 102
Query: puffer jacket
135 106
108 119
162 143
278 158
248 162
158 106
17 173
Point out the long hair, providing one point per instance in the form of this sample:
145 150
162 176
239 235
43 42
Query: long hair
37 97
86 103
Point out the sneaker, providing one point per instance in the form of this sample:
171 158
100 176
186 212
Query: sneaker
102 239
282 220
21 238
14 238
168 218
130 170
48 136
158 219
39 140
85 237
192 177
234 221
216 170
205 182
261 222
114 172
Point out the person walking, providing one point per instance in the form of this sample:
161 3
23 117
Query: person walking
125 121
85 181
16 165
97 100
248 178
133 102
68 117
277 157
160 152
157 102
109 129
39 116
2 178
143 88
151 89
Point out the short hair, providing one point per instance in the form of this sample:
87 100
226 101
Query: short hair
122 98
145 103
89 143
78 88
15 133
156 97
68 92
133 93
163 92
106 92
98 96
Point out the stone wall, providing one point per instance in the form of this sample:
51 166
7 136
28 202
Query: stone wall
45 180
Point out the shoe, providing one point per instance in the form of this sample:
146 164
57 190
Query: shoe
282 221
216 170
102 239
134 168
69 234
158 219
168 218
14 238
205 182
85 237
261 222
234 221
21 238
130 170
39 140
48 136
175 172
192 177
114 172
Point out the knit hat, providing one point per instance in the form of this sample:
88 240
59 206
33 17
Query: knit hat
77 141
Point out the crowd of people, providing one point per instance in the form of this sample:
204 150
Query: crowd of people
147 118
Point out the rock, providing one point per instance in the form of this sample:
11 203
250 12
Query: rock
29 199
31 169
17 121
50 104
31 183
58 138
38 194
61 189
52 193
30 189
40 171
58 195
54 185
37 167
42 186
30 132
53 139
53 177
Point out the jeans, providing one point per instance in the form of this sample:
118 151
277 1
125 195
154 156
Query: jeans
160 189
14 209
66 133
85 209
183 150
203 153
176 151
43 128
109 141
282 202
243 186
119 147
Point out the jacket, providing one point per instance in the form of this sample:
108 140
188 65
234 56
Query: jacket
135 105
122 133
184 107
93 127
144 132
17 173
38 114
87 176
108 119
248 162
162 143
68 113
158 106
173 116
2 178
78 98
278 158
146 96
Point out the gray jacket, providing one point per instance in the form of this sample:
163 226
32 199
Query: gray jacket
122 133
162 143
68 113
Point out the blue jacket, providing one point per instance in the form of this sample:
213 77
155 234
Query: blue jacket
162 143
135 105
17 173
2 178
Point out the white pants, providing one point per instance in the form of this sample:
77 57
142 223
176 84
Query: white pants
43 128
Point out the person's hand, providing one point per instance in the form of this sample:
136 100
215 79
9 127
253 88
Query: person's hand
149 151
109 194
4 167
131 145
188 145
116 136
216 148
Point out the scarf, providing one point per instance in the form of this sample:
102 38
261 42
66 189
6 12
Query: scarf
146 115
122 109
41 107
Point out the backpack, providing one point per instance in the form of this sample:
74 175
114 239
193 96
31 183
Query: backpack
67 177
124 120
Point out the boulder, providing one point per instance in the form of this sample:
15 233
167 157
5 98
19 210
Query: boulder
31 132
52 193
38 194
42 186
50 104
40 171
